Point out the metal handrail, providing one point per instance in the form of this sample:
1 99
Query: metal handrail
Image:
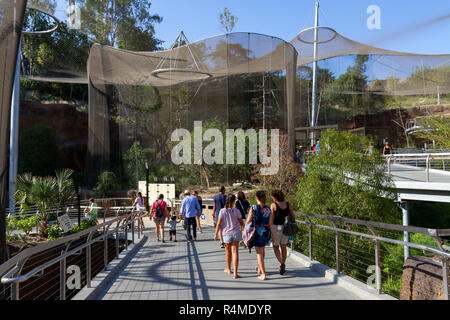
371 225
13 266
427 157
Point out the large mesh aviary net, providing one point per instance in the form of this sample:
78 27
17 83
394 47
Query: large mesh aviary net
139 93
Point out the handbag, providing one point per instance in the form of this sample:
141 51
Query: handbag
290 227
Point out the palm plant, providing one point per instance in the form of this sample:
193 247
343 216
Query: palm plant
43 192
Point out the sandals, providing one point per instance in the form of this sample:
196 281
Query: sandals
282 269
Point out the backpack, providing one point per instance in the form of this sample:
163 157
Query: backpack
249 236
159 211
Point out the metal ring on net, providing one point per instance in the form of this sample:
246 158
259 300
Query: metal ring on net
195 74
43 31
334 35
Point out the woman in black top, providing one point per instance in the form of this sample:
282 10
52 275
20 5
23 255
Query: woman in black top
242 204
280 210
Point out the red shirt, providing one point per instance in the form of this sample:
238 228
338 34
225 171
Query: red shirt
163 207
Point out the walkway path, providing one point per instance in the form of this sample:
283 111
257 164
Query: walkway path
182 271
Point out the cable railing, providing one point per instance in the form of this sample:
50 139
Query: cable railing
40 272
365 250
428 161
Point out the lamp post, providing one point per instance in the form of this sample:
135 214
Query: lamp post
146 185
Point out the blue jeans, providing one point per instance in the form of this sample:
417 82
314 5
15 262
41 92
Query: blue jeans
191 222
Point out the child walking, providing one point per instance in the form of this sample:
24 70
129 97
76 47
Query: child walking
173 228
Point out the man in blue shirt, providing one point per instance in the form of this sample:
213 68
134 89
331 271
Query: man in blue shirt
219 204
189 209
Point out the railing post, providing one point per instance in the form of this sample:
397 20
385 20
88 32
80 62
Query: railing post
15 291
126 234
105 247
338 254
377 262
428 168
310 242
378 266
117 239
132 227
88 261
446 278
62 277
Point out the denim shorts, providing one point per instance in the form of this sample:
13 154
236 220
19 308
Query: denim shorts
232 238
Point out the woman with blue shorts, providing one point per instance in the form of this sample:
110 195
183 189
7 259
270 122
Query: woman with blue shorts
230 223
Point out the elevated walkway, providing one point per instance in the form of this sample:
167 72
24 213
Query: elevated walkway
414 183
194 271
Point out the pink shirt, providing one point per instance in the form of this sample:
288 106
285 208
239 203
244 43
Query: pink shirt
163 207
230 223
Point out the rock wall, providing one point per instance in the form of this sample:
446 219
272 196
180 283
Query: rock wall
422 279
71 129
382 124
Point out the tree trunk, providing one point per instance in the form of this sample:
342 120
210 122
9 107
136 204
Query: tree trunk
42 226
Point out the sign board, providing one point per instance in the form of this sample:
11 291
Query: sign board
65 223
155 189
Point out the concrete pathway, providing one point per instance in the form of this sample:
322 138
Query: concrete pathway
182 271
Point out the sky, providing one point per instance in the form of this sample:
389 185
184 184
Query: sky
406 25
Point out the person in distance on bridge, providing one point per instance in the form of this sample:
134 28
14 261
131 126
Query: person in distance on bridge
230 222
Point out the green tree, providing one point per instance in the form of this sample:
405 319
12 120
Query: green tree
326 189
227 20
437 129
38 150
135 159
125 24
107 183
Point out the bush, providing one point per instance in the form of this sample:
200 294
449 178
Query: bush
25 224
85 224
54 231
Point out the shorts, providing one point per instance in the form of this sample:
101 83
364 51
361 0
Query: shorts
280 238
172 232
232 238
161 219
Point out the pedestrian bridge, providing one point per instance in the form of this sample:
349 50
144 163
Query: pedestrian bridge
117 261
195 271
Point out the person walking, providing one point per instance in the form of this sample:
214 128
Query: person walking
159 213
92 213
219 204
280 210
230 223
173 227
242 205
139 204
199 214
189 209
261 213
